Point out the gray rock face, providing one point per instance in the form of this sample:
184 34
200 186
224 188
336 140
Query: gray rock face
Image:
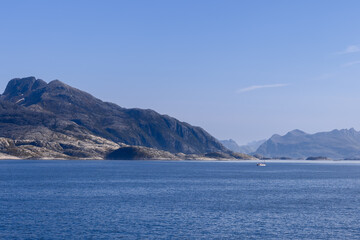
72 123
337 144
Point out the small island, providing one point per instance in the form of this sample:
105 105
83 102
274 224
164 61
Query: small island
318 158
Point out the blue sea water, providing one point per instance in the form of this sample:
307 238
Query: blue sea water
178 200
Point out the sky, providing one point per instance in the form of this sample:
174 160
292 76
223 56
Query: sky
243 70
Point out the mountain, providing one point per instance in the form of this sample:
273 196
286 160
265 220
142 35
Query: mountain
231 145
248 148
55 119
337 144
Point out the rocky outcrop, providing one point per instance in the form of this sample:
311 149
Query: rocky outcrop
140 153
144 153
59 147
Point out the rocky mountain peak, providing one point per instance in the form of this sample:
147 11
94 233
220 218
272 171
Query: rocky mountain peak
19 88
58 84
296 132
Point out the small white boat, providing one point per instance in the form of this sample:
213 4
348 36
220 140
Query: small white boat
261 164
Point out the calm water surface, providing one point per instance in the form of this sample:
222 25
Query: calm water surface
178 200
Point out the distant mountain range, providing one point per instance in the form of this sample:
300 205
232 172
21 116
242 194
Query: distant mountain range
337 144
248 148
55 120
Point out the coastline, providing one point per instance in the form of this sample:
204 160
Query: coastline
298 161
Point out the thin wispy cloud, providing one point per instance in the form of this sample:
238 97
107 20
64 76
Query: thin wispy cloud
256 87
349 64
351 49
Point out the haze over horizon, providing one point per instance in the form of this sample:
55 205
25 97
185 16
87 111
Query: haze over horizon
243 70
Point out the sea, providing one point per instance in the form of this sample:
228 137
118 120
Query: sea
74 199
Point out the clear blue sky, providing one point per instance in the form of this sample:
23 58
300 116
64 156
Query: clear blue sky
240 69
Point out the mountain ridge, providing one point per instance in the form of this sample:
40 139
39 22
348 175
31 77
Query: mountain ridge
31 109
336 144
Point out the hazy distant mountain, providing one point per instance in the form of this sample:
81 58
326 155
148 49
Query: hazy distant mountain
249 148
231 145
337 144
53 119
